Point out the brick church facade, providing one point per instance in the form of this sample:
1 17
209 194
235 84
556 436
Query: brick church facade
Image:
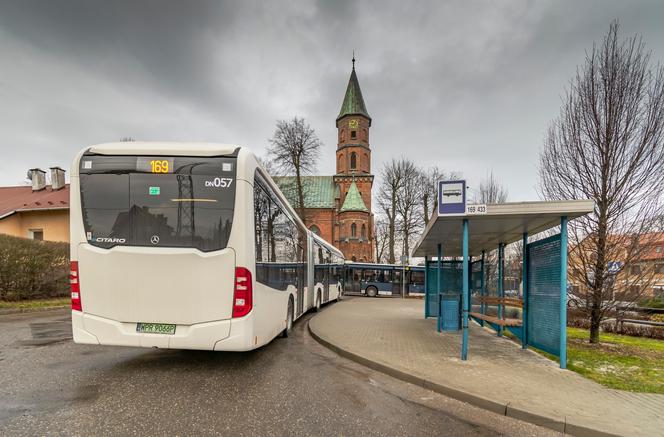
338 207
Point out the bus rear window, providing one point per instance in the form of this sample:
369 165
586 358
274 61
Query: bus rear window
186 202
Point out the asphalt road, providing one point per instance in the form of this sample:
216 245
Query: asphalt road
293 386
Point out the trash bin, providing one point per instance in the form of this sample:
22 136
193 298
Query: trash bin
449 312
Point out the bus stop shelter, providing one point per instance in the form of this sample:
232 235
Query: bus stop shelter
460 241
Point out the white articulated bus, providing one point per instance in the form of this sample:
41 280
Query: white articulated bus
188 246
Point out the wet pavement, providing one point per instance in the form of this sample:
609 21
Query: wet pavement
293 386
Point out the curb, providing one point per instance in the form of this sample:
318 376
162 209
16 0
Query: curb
9 311
505 409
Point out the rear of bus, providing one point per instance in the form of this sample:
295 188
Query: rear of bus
154 260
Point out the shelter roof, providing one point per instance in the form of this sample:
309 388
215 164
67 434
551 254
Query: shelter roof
502 223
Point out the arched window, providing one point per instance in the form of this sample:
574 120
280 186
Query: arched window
315 230
353 230
353 161
363 232
354 259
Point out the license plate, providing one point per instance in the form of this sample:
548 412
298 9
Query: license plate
155 328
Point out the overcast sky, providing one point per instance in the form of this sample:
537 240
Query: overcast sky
468 85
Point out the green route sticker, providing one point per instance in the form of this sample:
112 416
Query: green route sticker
155 191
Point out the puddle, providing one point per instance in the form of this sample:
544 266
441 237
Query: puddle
47 333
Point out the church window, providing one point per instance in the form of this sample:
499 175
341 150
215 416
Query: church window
353 230
353 134
315 230
353 160
354 258
364 231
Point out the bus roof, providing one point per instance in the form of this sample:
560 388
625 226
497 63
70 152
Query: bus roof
164 148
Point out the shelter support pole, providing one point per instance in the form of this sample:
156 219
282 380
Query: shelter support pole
426 286
439 283
501 288
482 289
563 292
524 292
466 293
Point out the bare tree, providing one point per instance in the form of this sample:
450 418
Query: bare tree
607 145
388 195
294 149
408 203
381 239
491 190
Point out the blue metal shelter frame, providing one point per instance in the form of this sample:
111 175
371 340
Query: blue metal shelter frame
544 292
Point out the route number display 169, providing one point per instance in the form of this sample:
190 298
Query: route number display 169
475 209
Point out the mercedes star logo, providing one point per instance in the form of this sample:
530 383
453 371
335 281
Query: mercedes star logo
154 239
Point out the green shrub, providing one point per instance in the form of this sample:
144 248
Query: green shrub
655 302
32 269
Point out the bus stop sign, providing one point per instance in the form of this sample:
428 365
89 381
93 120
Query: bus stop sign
451 197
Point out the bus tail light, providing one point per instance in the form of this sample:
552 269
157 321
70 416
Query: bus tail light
75 287
242 295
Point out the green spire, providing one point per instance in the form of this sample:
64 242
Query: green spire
353 102
353 200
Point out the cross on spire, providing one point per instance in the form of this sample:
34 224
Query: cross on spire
353 59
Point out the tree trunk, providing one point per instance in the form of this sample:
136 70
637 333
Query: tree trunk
300 195
390 238
598 282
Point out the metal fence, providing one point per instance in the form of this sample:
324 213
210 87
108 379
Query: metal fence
543 297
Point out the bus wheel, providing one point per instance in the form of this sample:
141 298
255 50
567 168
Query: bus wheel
289 320
372 291
317 307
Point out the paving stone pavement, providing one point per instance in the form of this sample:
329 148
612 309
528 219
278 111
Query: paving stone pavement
393 336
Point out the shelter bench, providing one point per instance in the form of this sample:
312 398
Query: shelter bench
504 301
496 320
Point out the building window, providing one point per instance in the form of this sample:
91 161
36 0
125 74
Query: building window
315 230
354 259
353 160
363 232
659 269
353 134
36 234
353 230
658 249
635 270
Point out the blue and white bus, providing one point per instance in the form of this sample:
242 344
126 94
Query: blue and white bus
383 279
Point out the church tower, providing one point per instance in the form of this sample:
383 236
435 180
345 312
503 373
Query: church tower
353 179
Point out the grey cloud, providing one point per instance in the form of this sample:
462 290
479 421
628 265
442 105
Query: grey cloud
471 86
